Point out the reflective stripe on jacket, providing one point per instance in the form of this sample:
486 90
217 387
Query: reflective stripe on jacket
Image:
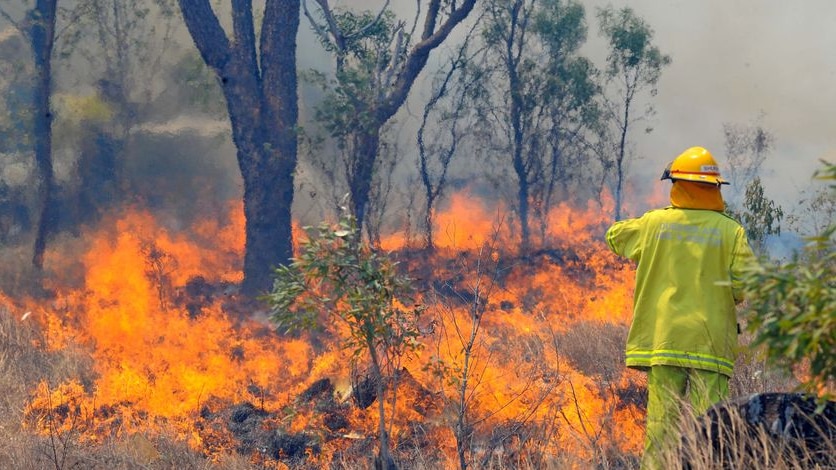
687 283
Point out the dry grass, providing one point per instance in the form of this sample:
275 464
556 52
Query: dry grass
752 373
23 364
594 348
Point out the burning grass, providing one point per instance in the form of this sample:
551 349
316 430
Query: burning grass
147 359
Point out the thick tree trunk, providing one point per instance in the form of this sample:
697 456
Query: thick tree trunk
268 197
267 159
261 96
41 34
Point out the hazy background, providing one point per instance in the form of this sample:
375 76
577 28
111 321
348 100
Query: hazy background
744 61
731 61
737 62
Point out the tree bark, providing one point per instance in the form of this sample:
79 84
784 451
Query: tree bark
261 97
360 182
41 34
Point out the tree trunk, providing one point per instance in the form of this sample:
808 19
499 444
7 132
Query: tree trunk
261 96
429 242
360 183
268 197
619 164
41 34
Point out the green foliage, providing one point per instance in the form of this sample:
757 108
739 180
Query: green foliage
337 280
792 307
348 106
631 50
568 79
760 215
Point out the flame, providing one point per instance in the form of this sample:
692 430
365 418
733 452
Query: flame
161 357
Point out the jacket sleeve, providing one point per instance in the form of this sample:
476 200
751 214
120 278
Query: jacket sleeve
624 237
743 259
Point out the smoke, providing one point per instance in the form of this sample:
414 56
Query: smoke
731 62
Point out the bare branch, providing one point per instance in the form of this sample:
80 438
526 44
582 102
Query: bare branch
415 21
419 55
361 32
20 26
320 31
336 34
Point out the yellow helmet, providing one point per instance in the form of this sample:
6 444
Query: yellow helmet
695 164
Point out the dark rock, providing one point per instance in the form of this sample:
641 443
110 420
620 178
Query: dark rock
796 427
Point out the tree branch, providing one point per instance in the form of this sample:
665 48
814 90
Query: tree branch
419 55
207 32
17 25
243 31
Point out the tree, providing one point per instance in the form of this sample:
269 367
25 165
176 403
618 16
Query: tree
536 92
746 148
259 84
792 306
815 211
376 63
570 95
634 64
39 29
338 280
118 47
444 117
760 216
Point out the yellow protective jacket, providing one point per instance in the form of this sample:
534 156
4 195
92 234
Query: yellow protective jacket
687 279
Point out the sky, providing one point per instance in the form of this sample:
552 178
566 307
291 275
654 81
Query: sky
733 60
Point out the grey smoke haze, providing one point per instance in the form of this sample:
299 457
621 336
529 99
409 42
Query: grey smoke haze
733 60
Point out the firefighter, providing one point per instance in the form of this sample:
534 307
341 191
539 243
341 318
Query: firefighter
690 257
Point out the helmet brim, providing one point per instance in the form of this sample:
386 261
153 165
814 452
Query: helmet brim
697 178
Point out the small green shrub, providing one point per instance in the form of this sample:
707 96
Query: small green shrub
792 307
337 279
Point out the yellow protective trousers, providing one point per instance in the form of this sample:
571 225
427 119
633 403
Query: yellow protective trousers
668 388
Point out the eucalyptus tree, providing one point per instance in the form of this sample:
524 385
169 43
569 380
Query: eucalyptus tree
634 65
746 146
444 126
377 59
539 95
257 74
570 99
38 26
